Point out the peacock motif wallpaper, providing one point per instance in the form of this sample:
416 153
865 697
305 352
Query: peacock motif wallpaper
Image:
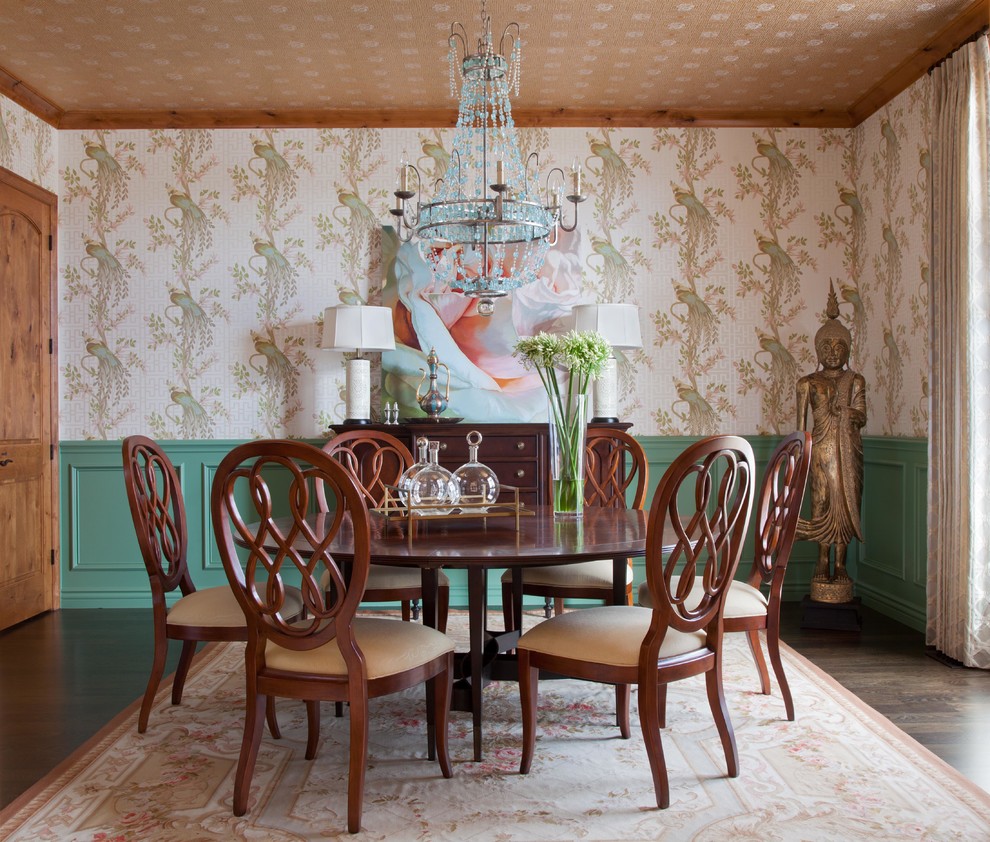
195 266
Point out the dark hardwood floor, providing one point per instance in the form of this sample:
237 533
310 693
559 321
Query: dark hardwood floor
64 675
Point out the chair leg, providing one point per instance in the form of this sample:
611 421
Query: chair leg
406 612
313 728
773 648
753 638
507 612
273 728
547 608
558 606
443 607
358 761
650 693
182 670
254 717
439 687
157 671
622 709
338 709
662 705
414 604
529 690
716 700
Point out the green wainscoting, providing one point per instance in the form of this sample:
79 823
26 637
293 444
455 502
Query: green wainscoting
101 565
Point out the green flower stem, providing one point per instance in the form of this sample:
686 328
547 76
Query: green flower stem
584 355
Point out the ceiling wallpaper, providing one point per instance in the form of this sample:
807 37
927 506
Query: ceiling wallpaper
195 265
745 55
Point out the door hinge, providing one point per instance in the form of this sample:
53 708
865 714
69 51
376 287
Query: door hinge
51 345
53 558
50 242
51 452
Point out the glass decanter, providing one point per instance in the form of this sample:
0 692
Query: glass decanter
422 460
476 483
434 485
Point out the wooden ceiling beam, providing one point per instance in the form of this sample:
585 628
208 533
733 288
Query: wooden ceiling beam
956 33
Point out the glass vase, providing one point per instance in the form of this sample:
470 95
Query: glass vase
568 429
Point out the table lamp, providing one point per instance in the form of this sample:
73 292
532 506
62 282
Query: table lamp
619 325
348 327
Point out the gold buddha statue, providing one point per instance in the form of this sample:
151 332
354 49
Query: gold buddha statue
836 396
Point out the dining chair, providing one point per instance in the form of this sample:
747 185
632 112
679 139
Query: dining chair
154 495
616 476
705 498
747 609
332 655
377 460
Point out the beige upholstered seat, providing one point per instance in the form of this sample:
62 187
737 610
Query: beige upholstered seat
615 469
585 574
747 608
376 639
394 577
329 655
677 638
210 606
614 633
742 600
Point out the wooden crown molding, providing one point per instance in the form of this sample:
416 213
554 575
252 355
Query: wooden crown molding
949 39
442 118
26 97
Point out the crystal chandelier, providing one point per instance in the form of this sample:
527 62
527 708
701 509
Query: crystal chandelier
488 227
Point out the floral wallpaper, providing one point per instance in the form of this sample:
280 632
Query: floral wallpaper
27 145
195 266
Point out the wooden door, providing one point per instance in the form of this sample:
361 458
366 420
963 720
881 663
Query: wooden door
28 577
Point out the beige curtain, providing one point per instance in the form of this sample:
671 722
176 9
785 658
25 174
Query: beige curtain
959 440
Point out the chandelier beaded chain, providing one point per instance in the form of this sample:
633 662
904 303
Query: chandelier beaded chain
489 226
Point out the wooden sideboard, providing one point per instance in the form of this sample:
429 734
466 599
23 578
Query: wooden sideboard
517 452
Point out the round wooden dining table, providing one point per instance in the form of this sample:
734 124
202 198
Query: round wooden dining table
478 544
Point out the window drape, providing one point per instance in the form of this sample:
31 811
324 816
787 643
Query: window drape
959 439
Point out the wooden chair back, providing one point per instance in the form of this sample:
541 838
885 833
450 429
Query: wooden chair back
374 459
716 475
154 495
779 507
243 506
615 462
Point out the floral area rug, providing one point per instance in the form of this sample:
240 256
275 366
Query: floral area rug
839 772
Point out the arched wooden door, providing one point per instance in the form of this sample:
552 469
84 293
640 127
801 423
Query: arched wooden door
28 494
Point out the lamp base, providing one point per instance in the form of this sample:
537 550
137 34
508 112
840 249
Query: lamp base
353 421
610 420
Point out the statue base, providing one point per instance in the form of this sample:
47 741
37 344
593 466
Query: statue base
837 616
838 590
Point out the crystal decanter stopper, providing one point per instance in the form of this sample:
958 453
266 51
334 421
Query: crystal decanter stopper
477 483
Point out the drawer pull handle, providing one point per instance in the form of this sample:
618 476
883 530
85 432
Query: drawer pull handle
520 445
520 473
443 445
5 462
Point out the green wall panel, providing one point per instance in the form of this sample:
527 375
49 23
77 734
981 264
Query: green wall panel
101 566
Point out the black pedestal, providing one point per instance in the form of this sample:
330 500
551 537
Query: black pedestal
840 616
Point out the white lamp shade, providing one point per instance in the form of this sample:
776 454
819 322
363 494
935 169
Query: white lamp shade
617 323
350 327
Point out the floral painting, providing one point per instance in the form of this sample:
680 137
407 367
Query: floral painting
486 381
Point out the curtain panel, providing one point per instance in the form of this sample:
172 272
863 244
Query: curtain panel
959 440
